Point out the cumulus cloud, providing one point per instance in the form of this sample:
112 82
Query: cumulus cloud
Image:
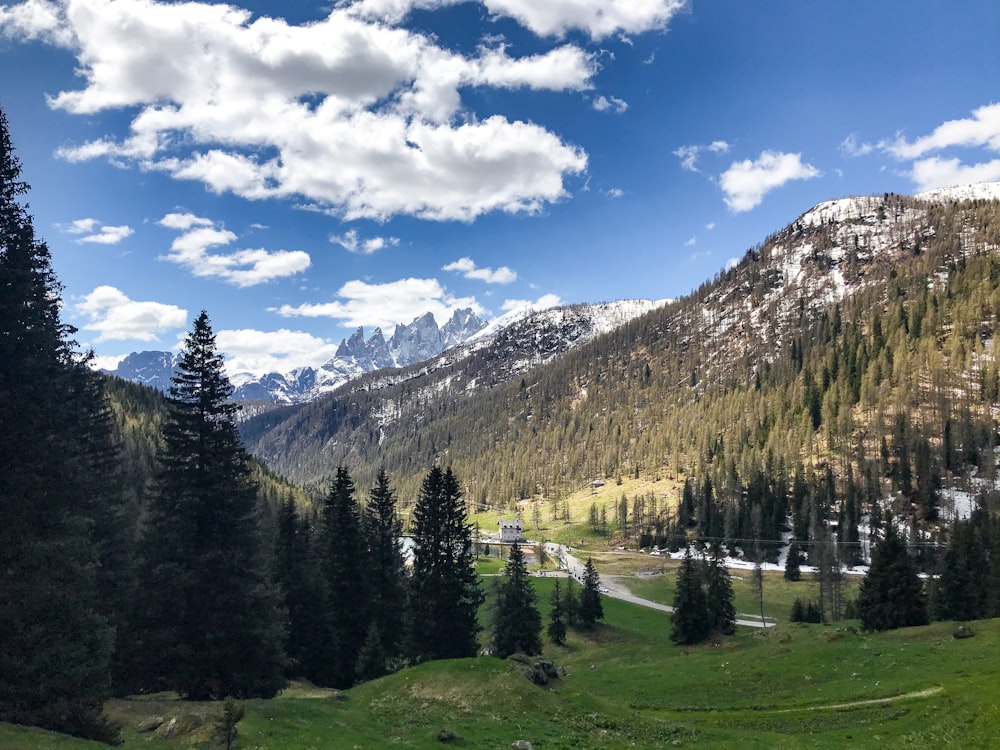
542 303
689 154
614 193
353 243
597 18
246 267
384 305
469 270
35 19
95 232
114 316
746 182
360 118
935 172
980 130
610 104
259 352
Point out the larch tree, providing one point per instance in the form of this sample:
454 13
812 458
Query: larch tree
211 623
517 624
55 646
444 594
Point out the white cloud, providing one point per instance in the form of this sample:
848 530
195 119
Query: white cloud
384 305
852 147
614 193
259 352
360 118
35 19
109 235
97 233
934 172
351 242
732 263
597 18
746 182
980 130
613 104
689 154
691 242
469 270
114 316
246 267
183 221
710 226
542 303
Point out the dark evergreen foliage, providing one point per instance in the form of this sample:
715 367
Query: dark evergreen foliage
793 570
590 609
299 576
55 645
341 548
444 594
386 570
210 622
690 615
719 596
891 595
517 624
556 629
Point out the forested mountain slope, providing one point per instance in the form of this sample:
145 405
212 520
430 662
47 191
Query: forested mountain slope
850 356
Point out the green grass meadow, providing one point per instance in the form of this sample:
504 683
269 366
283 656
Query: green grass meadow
626 685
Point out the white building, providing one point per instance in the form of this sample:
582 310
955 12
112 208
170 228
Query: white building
511 531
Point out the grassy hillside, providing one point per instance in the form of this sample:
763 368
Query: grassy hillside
627 686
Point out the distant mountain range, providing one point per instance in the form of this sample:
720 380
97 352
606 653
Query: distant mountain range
417 342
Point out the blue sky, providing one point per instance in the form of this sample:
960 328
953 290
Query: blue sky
300 169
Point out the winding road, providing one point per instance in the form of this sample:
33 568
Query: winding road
614 587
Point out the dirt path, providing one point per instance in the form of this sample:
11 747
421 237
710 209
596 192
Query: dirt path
925 693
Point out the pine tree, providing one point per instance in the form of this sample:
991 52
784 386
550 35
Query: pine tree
690 615
386 567
719 596
557 618
55 646
211 621
571 604
590 609
444 594
891 594
341 549
517 624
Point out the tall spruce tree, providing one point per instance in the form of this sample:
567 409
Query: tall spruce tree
556 629
590 610
891 595
341 553
444 594
719 596
517 624
690 615
55 646
211 622
385 565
